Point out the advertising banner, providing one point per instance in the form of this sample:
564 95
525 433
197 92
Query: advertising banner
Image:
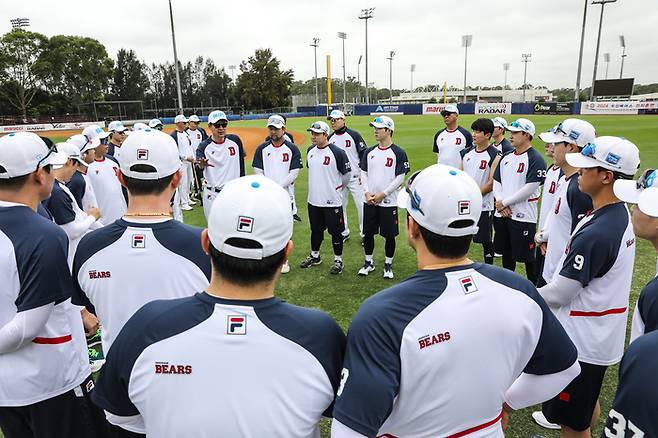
493 108
551 108
617 107
48 127
433 108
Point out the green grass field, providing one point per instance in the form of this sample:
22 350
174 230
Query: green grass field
341 295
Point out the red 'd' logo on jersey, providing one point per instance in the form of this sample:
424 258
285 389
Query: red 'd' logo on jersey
142 154
139 241
236 325
483 164
326 161
231 150
245 224
468 285
166 368
286 157
458 141
389 162
521 168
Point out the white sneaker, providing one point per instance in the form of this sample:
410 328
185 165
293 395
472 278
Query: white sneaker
186 207
540 419
192 202
367 268
388 270
285 268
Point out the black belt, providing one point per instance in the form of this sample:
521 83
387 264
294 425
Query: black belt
214 189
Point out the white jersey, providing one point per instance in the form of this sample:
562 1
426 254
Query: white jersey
326 167
382 166
80 187
434 355
600 256
184 144
226 160
89 197
277 162
196 136
569 207
124 265
645 316
515 171
352 143
267 368
553 174
477 164
34 273
448 145
109 193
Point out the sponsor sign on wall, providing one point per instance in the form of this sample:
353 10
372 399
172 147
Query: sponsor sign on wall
617 107
49 127
433 108
551 108
493 108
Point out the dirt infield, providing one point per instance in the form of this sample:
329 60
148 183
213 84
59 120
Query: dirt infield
251 137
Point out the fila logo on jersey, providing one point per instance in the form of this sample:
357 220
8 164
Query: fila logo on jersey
165 368
245 224
99 274
464 207
139 241
428 341
468 285
142 154
236 325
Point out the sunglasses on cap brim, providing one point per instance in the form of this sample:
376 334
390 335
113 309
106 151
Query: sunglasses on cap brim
413 196
648 179
219 124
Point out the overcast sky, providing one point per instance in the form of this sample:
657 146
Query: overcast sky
422 32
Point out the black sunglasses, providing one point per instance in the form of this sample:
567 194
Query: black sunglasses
51 150
446 113
413 196
648 179
220 124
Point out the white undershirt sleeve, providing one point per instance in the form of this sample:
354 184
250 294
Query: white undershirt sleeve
23 328
560 291
522 194
76 229
364 181
292 176
531 389
134 423
339 430
497 189
637 325
393 186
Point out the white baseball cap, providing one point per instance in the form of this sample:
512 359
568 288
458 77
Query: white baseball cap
336 114
643 192
216 116
194 118
95 133
383 122
139 126
612 153
82 142
426 199
151 147
522 125
253 207
180 118
499 122
116 126
319 127
155 122
72 151
276 121
22 152
575 131
450 108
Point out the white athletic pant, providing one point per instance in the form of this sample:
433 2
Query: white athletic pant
208 198
356 188
291 192
185 182
178 213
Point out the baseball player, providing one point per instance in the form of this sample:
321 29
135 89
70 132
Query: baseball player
289 137
516 189
118 133
268 368
383 167
416 364
328 171
197 134
80 184
278 159
47 380
221 156
480 162
452 139
186 153
644 194
352 143
145 255
590 290
156 124
498 139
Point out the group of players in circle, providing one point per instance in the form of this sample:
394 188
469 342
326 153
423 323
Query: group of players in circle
197 344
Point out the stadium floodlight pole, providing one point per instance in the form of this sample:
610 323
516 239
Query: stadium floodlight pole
622 41
606 59
505 69
526 59
366 14
19 23
232 68
598 43
173 41
391 55
466 43
315 42
576 97
413 69
358 77
343 36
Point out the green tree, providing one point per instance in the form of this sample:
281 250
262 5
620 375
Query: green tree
261 83
129 80
21 67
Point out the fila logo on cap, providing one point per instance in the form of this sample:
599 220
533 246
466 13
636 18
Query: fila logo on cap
245 224
464 207
236 325
142 154
467 284
139 241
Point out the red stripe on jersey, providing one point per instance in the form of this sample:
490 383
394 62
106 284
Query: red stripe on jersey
480 427
237 319
53 341
533 199
602 313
